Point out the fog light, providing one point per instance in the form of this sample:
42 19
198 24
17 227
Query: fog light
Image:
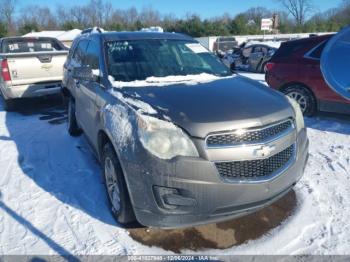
171 198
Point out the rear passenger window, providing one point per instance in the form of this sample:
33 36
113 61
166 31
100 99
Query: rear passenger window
288 49
26 45
317 52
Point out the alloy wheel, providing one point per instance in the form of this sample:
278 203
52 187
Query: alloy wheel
300 98
112 184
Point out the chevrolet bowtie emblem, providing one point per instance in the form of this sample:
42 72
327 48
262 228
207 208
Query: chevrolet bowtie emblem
264 151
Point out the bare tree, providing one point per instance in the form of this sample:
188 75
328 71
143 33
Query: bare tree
149 16
36 15
7 10
299 9
257 13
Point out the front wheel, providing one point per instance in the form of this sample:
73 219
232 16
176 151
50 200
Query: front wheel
73 128
303 97
118 195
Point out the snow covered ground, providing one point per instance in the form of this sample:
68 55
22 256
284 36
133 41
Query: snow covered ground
52 200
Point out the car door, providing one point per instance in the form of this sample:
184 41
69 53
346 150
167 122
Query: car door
244 57
86 94
255 57
314 74
76 60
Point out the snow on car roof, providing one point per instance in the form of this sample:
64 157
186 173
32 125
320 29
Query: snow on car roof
273 44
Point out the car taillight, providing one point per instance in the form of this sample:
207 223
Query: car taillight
5 73
269 66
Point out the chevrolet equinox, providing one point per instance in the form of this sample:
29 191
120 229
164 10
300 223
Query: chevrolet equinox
181 140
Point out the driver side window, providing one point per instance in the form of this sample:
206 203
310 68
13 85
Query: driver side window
79 54
92 57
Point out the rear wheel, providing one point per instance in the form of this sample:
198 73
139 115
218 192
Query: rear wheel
118 195
73 128
9 105
304 98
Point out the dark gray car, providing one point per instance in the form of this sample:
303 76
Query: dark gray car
253 58
182 141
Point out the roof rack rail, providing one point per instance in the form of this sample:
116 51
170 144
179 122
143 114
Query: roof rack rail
92 30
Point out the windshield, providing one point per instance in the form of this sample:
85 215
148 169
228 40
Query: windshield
25 45
139 59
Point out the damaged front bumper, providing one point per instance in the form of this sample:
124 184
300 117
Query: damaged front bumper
190 191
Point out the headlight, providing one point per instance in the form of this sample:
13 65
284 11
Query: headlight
299 118
163 139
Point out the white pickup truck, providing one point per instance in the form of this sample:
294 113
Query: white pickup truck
30 67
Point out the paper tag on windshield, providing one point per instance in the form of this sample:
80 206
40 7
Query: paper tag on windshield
197 48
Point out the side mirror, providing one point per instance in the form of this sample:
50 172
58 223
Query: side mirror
84 73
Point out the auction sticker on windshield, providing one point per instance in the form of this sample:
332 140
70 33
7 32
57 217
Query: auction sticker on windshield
197 48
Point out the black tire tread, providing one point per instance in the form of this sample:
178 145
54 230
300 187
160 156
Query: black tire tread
312 102
73 128
126 215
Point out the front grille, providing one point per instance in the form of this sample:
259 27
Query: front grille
256 168
248 136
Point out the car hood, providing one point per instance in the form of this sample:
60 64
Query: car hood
224 104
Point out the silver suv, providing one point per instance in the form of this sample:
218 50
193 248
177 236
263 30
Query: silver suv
182 141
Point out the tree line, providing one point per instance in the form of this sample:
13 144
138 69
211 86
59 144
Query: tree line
295 16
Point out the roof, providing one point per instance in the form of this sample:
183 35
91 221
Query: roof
44 34
69 35
271 44
60 35
143 35
313 39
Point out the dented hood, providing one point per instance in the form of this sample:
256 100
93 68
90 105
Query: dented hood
223 104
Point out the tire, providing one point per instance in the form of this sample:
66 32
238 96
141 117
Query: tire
9 105
73 128
304 97
117 191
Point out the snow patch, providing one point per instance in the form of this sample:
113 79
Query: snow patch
141 106
96 72
168 80
273 44
116 119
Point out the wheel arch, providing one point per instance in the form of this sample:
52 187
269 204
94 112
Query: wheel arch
102 139
296 83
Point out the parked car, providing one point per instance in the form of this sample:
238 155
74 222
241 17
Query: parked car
181 140
224 44
30 67
295 70
253 57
